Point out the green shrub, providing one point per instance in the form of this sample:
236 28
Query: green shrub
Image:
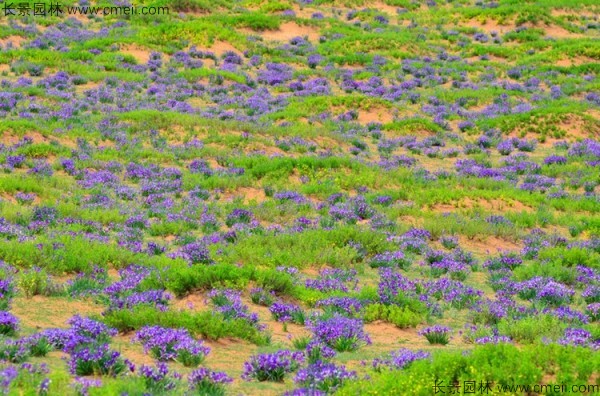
401 317
36 281
499 365
208 324
532 329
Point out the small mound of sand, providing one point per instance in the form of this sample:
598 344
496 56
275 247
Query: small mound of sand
221 47
286 32
15 40
141 55
379 114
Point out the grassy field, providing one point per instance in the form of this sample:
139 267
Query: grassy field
303 197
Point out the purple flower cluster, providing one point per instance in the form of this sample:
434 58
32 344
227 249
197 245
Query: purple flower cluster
579 337
394 285
159 380
399 359
9 324
436 334
166 344
340 333
229 304
204 381
333 280
544 290
260 296
555 159
97 359
347 306
323 377
395 259
593 311
82 385
456 269
453 292
155 298
504 261
193 253
272 366
316 351
283 312
495 339
239 216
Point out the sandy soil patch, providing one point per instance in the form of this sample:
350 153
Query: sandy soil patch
561 33
10 138
15 40
141 55
387 334
39 312
221 47
194 302
378 114
287 31
488 26
490 245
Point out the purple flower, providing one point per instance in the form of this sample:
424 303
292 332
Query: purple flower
88 328
593 311
239 216
314 60
272 366
555 159
545 290
9 324
171 344
155 298
290 196
579 337
193 253
82 385
207 382
400 359
436 334
283 312
495 339
158 380
340 333
259 296
96 359
323 377
347 306
390 259
318 351
507 260
591 294
7 376
15 161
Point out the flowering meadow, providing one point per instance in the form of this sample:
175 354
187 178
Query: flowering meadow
300 197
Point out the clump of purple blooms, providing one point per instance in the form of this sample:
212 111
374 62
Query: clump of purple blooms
347 306
229 304
272 366
399 359
204 381
395 259
9 324
340 333
436 334
330 280
323 377
283 312
158 380
579 337
166 344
